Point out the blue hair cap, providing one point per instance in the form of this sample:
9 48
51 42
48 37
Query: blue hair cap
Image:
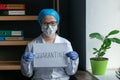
46 12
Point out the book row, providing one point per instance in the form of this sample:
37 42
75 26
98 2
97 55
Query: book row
12 12
10 33
12 6
11 38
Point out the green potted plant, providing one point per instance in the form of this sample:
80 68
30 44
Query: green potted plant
99 62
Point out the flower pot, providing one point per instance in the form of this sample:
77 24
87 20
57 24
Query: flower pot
99 66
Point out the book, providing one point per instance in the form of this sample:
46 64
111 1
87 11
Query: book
12 12
21 12
2 38
11 33
12 6
11 38
14 38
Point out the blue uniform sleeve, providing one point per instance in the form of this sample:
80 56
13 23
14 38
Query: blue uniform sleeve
27 67
72 67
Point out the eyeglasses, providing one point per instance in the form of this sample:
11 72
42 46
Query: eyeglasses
50 23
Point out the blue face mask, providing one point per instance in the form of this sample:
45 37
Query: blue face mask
48 30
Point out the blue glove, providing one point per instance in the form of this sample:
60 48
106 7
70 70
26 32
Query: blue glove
28 56
73 55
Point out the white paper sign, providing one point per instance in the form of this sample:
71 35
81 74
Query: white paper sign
50 55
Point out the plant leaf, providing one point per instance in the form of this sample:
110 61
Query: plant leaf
107 43
116 40
95 49
114 32
94 52
101 54
96 35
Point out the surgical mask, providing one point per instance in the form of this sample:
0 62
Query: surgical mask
49 29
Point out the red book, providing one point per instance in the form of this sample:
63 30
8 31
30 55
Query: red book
12 6
3 6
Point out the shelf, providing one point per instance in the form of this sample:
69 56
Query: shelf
9 65
12 18
14 43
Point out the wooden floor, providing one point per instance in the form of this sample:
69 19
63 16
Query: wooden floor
83 75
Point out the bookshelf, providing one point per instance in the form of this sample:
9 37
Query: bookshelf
14 43
12 65
9 65
12 18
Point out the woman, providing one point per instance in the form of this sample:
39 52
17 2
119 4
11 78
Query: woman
49 20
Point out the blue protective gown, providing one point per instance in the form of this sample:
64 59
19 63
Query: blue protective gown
49 73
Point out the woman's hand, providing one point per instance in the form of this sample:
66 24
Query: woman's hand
73 55
28 56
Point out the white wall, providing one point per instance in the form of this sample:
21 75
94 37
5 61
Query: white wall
102 16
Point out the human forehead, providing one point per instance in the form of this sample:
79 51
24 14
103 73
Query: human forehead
49 19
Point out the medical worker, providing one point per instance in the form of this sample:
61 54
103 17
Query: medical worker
49 20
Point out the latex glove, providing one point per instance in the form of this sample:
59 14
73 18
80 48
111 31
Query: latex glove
73 55
28 56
